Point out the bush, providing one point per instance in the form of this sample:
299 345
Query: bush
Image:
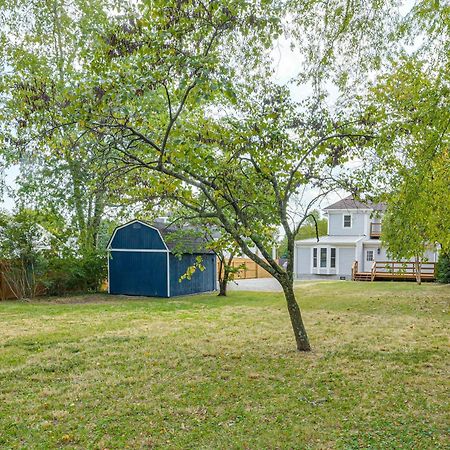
74 274
443 268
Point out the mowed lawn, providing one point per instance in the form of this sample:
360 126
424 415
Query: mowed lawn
202 372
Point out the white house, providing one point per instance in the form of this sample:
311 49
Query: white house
354 230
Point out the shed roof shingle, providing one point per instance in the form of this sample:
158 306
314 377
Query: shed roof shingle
182 239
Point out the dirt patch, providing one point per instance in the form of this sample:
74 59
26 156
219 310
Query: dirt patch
79 299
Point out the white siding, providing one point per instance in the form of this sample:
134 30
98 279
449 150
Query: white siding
303 260
346 258
366 266
336 224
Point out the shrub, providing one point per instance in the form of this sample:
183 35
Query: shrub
443 268
70 273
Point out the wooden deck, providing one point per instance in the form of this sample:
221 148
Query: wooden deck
395 270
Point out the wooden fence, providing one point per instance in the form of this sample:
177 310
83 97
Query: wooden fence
5 290
251 269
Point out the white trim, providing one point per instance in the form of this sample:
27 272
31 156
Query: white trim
109 278
168 274
301 244
295 261
335 258
373 243
349 209
216 281
327 269
312 259
326 258
108 246
143 250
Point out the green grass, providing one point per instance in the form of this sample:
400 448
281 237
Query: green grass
203 372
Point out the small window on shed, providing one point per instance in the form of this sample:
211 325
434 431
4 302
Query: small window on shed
315 257
347 220
369 255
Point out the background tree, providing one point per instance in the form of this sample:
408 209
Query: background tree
22 245
45 46
314 226
410 111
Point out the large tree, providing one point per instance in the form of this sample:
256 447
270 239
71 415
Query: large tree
45 45
415 129
233 149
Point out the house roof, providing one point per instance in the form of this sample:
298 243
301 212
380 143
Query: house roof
351 203
331 240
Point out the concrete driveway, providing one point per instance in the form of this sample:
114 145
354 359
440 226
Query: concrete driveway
256 284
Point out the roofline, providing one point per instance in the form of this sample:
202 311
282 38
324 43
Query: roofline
350 209
308 244
108 245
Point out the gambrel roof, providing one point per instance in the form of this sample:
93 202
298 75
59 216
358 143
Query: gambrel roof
176 239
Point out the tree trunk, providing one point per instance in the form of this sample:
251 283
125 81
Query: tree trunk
301 337
225 273
418 267
222 287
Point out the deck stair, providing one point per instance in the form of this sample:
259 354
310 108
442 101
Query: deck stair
362 276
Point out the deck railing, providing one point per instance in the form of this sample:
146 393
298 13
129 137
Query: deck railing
354 269
375 229
403 269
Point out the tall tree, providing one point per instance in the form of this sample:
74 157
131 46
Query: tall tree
234 150
410 109
45 46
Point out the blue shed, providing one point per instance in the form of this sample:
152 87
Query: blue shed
141 261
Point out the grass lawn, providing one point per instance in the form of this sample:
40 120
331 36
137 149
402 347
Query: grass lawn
202 372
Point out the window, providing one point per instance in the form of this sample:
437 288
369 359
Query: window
333 258
314 257
323 257
369 255
347 220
